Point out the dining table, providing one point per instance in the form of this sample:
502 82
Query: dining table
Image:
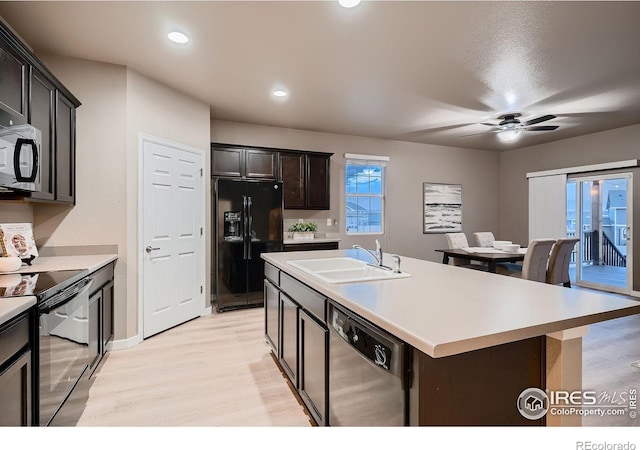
489 255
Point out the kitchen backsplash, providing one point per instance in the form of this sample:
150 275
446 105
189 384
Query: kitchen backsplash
323 228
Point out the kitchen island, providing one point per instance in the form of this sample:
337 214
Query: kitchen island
478 339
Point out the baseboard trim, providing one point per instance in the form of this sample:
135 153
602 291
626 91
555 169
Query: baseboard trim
122 344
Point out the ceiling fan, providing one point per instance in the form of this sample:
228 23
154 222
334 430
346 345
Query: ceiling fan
510 127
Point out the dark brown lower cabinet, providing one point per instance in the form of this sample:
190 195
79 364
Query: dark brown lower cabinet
313 375
107 315
95 330
100 315
272 318
16 391
289 337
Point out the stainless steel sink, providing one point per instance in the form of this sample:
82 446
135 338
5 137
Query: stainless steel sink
344 270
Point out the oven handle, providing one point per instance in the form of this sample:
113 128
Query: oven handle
66 296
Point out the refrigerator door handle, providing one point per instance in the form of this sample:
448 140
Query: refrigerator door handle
246 227
250 229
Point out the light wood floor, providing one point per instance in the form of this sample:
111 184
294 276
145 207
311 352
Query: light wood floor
217 371
211 371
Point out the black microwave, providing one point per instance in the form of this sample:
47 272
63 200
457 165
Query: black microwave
20 147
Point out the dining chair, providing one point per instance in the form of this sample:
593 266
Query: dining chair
534 265
484 238
459 240
558 270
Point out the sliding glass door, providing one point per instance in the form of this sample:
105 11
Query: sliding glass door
599 214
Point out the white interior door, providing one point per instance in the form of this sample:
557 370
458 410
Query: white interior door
172 241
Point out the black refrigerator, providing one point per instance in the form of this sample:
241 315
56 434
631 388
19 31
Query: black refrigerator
248 218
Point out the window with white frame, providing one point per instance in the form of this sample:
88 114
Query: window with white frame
364 193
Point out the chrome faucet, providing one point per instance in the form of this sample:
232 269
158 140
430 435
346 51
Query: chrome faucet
377 255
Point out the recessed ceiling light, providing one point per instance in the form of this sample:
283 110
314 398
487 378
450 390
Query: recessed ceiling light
178 37
349 3
280 93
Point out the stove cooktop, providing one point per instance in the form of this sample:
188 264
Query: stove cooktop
41 284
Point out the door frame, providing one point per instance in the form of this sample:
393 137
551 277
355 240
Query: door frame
628 175
142 138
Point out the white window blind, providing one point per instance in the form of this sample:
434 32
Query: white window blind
548 207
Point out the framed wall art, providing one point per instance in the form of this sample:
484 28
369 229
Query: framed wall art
442 205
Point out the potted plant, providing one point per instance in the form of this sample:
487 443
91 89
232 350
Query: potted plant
303 230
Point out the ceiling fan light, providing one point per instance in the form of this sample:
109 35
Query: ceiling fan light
348 3
509 135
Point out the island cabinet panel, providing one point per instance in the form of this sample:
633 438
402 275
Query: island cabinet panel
289 338
299 338
480 387
314 377
272 316
16 372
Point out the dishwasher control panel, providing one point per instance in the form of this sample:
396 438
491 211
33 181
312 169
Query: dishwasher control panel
373 346
375 351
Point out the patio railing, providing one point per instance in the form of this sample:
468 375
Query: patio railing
592 251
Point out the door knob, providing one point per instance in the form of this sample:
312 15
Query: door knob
149 248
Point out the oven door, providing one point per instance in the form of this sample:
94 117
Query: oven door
64 344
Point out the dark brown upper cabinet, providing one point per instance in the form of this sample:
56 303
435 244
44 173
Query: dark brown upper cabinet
306 179
292 173
14 72
305 175
317 181
41 115
65 150
30 93
232 161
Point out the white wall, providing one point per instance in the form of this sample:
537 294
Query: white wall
117 104
156 110
410 165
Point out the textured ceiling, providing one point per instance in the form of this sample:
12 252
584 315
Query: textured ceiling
416 71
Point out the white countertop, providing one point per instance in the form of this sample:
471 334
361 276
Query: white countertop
12 306
444 310
78 262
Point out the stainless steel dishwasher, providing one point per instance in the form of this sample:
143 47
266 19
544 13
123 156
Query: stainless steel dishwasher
368 373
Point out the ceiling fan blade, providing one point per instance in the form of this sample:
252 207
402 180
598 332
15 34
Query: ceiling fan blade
543 128
488 124
538 120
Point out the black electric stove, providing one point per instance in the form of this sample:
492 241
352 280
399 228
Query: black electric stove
41 284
